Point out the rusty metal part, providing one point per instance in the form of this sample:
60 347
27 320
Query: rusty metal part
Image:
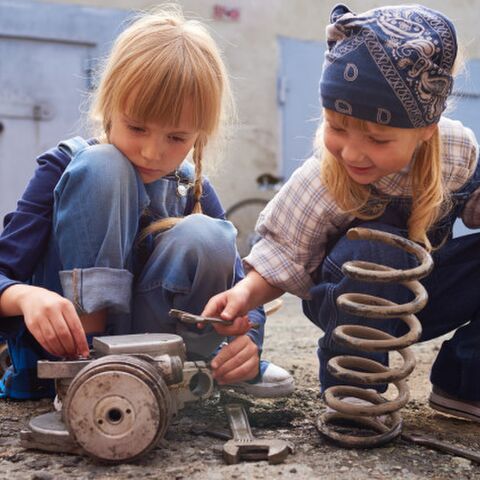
153 344
192 319
435 444
117 408
60 369
245 446
356 370
4 358
197 384
48 432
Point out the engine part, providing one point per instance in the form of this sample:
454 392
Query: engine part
367 414
118 405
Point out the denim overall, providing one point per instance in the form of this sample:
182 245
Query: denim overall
94 258
453 288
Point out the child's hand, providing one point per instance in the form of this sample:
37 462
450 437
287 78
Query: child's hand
53 321
228 305
236 362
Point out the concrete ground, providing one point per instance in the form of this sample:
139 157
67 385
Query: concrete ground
290 342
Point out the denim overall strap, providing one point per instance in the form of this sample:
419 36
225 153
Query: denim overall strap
168 195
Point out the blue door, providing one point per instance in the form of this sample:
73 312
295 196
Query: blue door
465 106
47 53
300 67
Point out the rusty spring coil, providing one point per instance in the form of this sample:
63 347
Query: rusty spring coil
372 430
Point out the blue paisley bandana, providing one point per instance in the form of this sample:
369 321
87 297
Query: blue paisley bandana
390 65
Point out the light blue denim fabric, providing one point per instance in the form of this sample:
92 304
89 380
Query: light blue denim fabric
98 204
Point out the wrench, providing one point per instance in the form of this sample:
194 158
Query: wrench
245 446
193 319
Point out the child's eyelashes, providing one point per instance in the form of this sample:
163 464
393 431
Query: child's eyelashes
136 128
336 129
176 139
378 141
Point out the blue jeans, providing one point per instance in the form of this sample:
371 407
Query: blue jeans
454 303
94 257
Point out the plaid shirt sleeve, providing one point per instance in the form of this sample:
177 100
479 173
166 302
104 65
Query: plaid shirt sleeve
295 228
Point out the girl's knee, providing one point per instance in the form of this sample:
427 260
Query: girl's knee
207 235
99 169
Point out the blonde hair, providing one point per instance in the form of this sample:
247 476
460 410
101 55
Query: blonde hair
156 65
430 198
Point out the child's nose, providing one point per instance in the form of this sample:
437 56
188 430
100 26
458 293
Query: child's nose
352 154
153 150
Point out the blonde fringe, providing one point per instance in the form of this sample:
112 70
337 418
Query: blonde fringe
430 199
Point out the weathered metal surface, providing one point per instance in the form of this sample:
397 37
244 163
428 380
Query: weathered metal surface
367 413
193 319
60 368
154 344
117 408
245 446
197 384
48 432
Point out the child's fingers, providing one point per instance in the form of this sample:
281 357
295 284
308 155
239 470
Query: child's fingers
243 372
240 326
76 329
236 362
234 354
215 305
63 334
51 341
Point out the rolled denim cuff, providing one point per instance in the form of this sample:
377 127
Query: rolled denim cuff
93 289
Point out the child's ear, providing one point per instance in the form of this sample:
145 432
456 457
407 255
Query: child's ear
428 132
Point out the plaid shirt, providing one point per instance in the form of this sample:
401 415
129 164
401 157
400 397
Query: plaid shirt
303 217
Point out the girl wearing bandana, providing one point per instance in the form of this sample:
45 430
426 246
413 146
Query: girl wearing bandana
385 159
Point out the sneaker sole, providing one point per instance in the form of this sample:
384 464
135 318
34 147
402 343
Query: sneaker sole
266 390
454 407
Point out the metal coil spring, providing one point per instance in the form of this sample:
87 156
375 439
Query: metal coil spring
367 415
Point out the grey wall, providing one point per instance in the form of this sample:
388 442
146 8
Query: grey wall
251 48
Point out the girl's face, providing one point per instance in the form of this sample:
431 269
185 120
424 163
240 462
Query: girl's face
371 152
154 149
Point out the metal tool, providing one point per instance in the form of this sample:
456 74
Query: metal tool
361 371
193 319
245 446
435 444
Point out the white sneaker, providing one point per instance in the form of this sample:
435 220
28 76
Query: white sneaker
274 382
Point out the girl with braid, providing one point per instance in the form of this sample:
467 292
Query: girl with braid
386 158
114 231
